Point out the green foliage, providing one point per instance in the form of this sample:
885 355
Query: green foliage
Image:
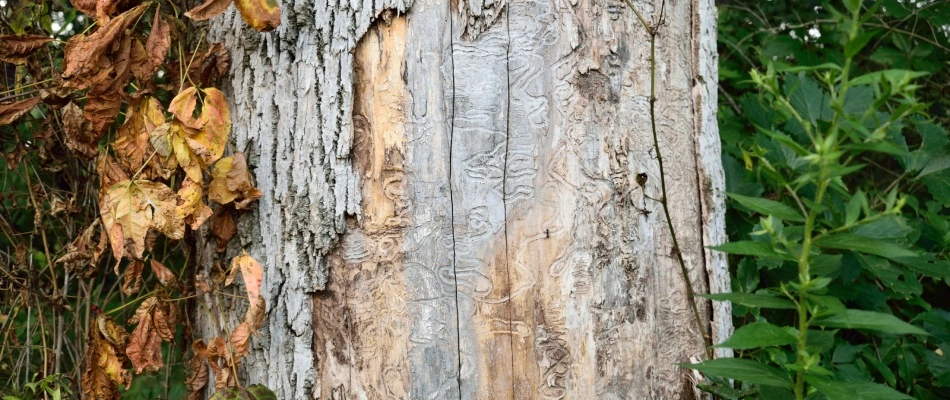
835 147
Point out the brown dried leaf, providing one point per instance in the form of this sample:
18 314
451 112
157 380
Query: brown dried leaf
80 137
130 208
16 49
232 182
105 357
139 61
223 227
240 342
256 313
86 60
164 275
253 273
109 171
156 323
132 279
208 133
191 206
132 144
262 15
198 377
82 254
104 98
87 7
10 112
157 45
209 9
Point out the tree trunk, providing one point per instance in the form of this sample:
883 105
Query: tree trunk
451 202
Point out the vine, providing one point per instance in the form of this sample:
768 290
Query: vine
133 94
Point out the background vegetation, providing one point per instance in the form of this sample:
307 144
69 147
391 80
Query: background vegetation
834 118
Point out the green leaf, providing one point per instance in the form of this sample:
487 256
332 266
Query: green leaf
857 203
939 186
835 390
892 76
854 46
807 98
261 392
752 300
750 248
862 244
768 207
756 335
870 320
743 370
253 392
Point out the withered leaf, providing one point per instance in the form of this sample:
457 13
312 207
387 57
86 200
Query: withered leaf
16 49
130 208
80 137
132 143
253 273
83 253
256 313
85 56
105 356
156 323
262 15
208 133
191 206
232 182
104 98
164 275
87 7
10 112
109 171
157 45
209 9
240 341
223 227
132 278
198 377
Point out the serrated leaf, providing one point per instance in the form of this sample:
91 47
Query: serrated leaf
756 335
870 320
743 370
130 208
752 300
857 44
16 49
862 244
768 207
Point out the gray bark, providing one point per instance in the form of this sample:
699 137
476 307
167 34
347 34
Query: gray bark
450 206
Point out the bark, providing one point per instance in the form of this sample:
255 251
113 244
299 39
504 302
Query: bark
451 206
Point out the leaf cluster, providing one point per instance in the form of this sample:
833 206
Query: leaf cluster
834 132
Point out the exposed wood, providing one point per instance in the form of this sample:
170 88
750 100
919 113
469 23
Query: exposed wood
469 177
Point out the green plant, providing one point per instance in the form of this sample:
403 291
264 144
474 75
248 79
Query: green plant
839 184
51 387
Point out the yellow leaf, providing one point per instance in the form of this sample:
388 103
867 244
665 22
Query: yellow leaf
105 357
232 182
191 206
130 208
207 135
262 15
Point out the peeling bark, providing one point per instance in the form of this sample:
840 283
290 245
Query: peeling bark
451 202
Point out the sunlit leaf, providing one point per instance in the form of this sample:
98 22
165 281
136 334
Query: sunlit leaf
262 15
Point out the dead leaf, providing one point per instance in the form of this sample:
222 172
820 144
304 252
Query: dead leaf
10 112
198 377
104 98
209 9
80 136
185 158
164 275
83 253
16 49
130 208
256 313
262 15
156 323
132 278
240 341
105 356
232 182
157 45
223 227
109 171
253 273
191 206
208 133
85 61
87 7
133 140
